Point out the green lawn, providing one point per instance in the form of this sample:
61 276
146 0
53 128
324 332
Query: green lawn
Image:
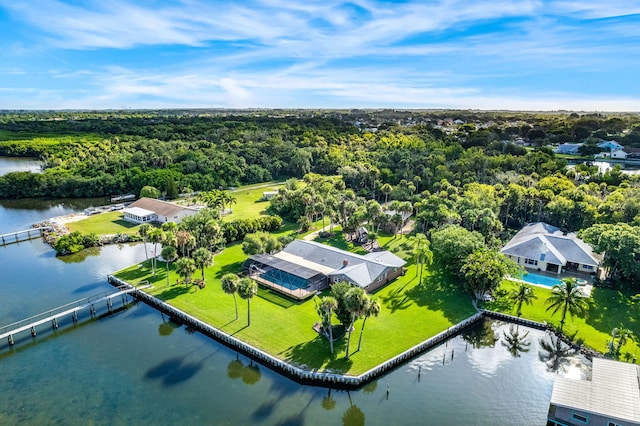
248 206
410 314
103 224
609 309
249 201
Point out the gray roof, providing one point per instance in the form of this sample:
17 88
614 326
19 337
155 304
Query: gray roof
285 265
613 391
361 270
543 242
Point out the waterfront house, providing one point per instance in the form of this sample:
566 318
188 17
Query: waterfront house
610 145
541 247
148 210
569 148
610 398
626 154
304 267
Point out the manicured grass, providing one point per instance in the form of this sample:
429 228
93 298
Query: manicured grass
249 202
609 309
411 312
103 224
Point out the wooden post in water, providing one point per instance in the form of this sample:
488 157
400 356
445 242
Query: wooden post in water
33 332
10 339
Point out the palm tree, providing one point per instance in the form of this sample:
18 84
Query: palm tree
156 236
203 258
327 305
568 297
169 254
372 309
182 237
623 335
355 302
230 286
247 288
185 268
522 294
422 253
143 231
386 190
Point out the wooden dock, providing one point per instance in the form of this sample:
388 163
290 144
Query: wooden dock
70 309
25 235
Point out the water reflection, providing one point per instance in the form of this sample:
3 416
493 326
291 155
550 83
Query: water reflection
328 402
555 354
516 341
481 337
167 326
250 374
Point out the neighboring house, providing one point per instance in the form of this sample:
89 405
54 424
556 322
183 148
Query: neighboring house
626 154
389 225
610 145
312 267
542 247
610 398
147 210
569 148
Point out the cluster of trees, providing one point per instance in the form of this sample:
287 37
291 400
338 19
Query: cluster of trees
88 156
74 242
348 303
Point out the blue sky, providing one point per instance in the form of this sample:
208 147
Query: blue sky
495 54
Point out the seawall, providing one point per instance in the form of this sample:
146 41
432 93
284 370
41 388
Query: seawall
299 374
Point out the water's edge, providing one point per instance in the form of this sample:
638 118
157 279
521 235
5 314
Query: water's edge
312 377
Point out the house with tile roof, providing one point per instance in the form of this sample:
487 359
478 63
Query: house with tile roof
542 247
150 210
305 267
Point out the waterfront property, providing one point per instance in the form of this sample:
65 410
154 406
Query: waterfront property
542 247
610 398
307 267
147 210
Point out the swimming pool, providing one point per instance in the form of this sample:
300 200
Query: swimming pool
540 279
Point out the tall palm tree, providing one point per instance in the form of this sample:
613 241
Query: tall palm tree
523 294
568 297
623 334
386 190
185 267
156 236
169 254
372 309
327 305
143 231
355 302
247 288
422 253
182 237
230 286
203 258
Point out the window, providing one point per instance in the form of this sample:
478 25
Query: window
582 418
587 267
613 424
531 262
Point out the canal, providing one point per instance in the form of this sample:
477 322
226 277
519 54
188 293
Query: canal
137 367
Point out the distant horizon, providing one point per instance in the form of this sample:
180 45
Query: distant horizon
348 109
495 55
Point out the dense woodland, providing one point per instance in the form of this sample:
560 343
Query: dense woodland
485 173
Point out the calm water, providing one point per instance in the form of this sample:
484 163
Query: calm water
12 164
540 279
136 368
